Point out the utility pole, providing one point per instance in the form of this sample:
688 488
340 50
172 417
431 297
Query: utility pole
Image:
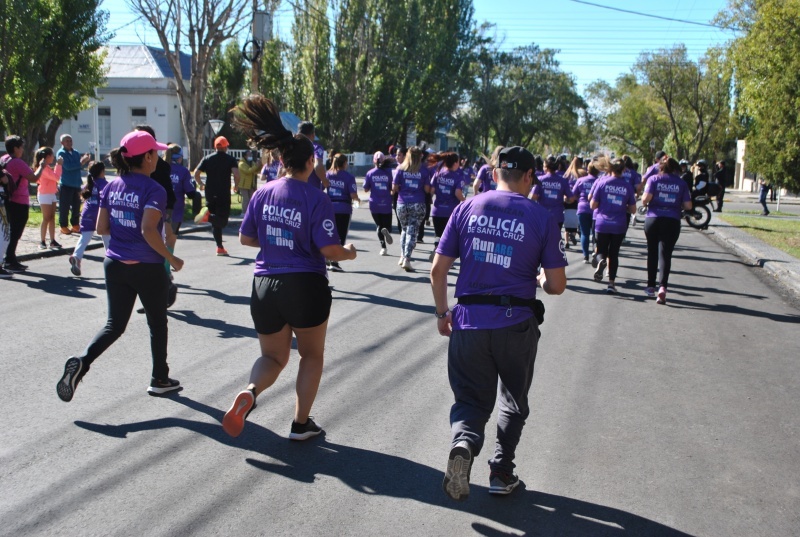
255 65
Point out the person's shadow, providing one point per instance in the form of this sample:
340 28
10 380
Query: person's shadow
374 473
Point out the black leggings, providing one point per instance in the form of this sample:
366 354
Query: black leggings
439 223
383 221
17 218
662 234
342 226
148 281
608 245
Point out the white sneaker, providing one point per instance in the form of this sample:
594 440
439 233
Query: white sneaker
383 252
407 265
400 261
387 236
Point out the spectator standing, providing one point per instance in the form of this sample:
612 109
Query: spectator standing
762 199
69 200
47 194
721 178
249 167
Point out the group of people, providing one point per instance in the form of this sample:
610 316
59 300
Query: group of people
510 238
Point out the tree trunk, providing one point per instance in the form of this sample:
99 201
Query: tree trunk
47 138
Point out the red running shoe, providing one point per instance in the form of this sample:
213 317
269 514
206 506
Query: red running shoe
233 422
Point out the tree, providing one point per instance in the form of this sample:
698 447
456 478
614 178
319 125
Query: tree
51 69
199 27
226 82
767 64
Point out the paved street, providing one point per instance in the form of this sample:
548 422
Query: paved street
646 420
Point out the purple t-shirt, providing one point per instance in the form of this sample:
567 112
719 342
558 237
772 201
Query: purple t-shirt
501 239
615 195
182 184
632 177
444 185
92 205
551 190
292 221
669 192
412 185
378 183
486 179
126 198
581 189
314 179
270 171
18 170
651 171
342 186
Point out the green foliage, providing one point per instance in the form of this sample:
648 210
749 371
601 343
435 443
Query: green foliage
49 63
767 63
226 80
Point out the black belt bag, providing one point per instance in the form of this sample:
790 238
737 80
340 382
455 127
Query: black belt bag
536 305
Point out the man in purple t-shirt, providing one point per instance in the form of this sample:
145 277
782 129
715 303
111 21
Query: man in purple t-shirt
501 239
317 177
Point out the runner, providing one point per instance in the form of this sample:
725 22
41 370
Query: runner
342 191
318 179
585 214
552 191
574 172
378 184
132 211
183 186
410 183
448 185
501 239
292 225
218 167
95 183
484 181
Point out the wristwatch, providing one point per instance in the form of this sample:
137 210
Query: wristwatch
441 315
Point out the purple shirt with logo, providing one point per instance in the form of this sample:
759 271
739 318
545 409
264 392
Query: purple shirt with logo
378 183
270 171
632 177
313 179
651 171
486 178
126 198
669 192
444 185
92 205
501 239
581 189
551 190
342 186
182 184
412 185
292 221
615 195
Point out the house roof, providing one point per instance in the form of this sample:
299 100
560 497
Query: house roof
141 61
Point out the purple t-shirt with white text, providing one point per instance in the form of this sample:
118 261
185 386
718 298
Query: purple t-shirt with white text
270 171
486 179
669 192
378 182
501 239
412 185
342 186
615 195
126 198
581 189
551 190
444 185
182 184
292 221
92 205
632 177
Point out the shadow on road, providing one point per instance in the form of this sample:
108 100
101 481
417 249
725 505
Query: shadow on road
384 301
374 473
226 330
59 285
728 308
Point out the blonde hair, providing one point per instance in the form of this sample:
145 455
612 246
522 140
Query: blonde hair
413 160
575 169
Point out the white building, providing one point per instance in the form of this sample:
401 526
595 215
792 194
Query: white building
140 90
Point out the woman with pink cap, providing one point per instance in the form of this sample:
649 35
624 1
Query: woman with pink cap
378 183
132 212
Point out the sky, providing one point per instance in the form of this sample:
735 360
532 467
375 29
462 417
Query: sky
594 43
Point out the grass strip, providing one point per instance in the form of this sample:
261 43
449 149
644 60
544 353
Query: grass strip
780 233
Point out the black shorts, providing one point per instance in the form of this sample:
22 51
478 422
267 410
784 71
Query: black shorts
219 209
299 299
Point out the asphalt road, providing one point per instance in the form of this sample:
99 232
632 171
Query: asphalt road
647 420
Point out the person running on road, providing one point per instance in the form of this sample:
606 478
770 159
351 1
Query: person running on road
95 183
132 212
574 172
664 195
378 184
218 166
614 199
292 225
448 185
585 213
552 191
410 183
342 191
47 194
484 180
272 167
501 239
318 179
182 185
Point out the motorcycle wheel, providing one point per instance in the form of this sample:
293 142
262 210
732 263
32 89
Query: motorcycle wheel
699 217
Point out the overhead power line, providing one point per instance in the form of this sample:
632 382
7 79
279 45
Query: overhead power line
650 15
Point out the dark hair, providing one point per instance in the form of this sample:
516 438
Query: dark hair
306 128
13 142
551 165
538 163
259 119
660 155
95 168
510 176
617 166
628 162
671 167
146 128
122 163
40 155
338 161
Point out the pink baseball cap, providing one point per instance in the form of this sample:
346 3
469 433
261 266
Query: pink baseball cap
138 143
378 157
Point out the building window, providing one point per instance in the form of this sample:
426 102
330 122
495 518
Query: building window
138 117
104 126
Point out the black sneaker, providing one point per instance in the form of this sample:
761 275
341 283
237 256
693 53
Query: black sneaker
55 245
15 267
73 373
160 387
304 431
5 274
43 245
502 483
601 268
335 267
456 478
594 260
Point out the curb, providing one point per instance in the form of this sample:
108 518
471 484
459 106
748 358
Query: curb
785 270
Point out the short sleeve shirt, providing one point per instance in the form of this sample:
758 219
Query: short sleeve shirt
18 170
551 190
412 185
342 185
669 193
581 189
379 184
445 184
615 196
218 168
92 206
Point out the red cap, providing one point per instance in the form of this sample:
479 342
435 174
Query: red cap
221 141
